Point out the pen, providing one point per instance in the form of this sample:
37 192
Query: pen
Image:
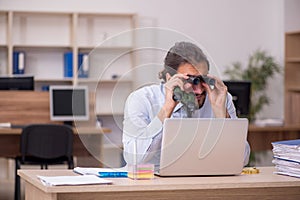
112 174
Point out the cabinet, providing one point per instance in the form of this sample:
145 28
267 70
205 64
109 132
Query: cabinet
45 37
292 78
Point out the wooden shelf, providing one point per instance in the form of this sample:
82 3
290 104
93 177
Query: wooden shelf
50 13
53 80
292 78
45 37
293 33
291 59
107 14
292 88
3 28
105 47
254 128
88 80
41 46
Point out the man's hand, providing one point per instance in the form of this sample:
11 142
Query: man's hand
217 97
171 83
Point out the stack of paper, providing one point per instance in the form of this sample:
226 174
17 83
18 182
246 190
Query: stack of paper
287 157
72 180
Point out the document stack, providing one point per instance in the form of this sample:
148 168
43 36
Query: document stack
287 157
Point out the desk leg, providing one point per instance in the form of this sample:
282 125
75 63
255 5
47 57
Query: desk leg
11 168
33 193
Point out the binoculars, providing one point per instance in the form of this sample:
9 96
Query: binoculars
195 80
188 99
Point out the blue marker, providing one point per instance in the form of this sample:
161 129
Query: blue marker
113 174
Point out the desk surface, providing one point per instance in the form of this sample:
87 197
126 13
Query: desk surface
85 137
77 130
260 138
253 128
264 184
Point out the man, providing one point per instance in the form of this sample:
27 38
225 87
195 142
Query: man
146 108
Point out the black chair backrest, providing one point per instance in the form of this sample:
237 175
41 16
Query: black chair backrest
47 141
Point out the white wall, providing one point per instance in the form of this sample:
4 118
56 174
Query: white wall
229 29
292 15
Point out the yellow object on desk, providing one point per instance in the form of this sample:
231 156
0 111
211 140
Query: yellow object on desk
250 170
141 171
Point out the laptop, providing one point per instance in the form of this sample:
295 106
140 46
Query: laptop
198 146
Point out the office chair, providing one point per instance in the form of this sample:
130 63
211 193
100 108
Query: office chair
44 144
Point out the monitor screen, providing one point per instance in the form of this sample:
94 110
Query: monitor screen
16 83
69 103
240 91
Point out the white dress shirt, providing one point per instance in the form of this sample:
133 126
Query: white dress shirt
142 129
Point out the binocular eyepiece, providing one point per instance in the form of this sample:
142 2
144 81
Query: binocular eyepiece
195 80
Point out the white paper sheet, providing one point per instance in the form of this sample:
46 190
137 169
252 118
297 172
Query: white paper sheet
72 180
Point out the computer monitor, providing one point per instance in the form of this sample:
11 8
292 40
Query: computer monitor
16 83
69 103
240 91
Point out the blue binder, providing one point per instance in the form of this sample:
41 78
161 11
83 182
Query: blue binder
82 72
68 64
287 143
18 62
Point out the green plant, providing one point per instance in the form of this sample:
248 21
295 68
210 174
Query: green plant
261 67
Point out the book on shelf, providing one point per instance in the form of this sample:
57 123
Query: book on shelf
68 64
287 157
18 62
83 65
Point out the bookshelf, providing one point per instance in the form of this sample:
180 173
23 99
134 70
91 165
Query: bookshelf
3 42
45 37
292 78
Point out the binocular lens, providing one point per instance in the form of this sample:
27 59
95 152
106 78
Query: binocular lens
196 81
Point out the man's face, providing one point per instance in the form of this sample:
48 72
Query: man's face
199 90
